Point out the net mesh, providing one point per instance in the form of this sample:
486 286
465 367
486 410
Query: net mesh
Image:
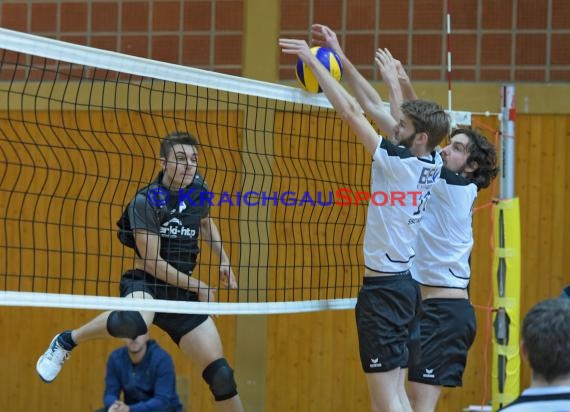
77 141
80 130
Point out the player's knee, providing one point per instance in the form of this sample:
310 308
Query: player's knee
220 377
126 324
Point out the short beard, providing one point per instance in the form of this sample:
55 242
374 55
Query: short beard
408 141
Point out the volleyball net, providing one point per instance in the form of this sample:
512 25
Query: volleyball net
80 130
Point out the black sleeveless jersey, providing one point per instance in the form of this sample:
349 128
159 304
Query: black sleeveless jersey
174 215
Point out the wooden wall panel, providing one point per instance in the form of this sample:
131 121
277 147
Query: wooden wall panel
543 174
314 156
312 361
26 332
63 176
542 154
76 183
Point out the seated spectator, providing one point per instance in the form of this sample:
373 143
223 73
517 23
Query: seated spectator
144 373
546 345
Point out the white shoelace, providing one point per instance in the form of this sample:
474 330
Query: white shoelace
56 347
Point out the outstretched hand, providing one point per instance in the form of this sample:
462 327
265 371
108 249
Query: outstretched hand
393 73
386 64
295 46
323 36
401 72
402 75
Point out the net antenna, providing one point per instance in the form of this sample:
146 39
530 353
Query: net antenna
79 135
448 42
456 117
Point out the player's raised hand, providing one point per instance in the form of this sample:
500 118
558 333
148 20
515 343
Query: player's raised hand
386 64
296 46
402 75
323 36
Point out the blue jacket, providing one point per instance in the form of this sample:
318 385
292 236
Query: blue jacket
149 385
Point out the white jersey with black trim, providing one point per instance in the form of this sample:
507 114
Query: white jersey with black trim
545 399
392 224
445 238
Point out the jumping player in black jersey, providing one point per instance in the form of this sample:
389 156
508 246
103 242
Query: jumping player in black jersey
388 301
164 222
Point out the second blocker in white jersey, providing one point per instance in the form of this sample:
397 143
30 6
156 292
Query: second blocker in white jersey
391 229
445 238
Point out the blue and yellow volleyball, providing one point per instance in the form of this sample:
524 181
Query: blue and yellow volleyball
329 59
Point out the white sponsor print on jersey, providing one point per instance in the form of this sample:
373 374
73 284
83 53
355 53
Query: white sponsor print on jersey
173 228
173 221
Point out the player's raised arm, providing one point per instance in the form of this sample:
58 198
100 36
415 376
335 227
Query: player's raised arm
365 94
389 71
341 100
403 79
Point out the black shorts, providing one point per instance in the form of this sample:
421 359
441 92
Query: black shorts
175 324
447 328
385 312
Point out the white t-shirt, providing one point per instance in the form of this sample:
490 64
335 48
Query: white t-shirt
445 237
545 399
392 224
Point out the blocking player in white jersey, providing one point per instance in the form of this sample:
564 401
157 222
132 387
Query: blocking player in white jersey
443 248
441 267
387 302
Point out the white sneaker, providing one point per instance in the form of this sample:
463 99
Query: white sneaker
50 363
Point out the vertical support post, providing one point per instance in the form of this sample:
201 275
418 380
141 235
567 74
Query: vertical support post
506 288
508 117
261 29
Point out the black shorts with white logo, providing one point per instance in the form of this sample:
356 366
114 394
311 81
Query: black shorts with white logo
175 324
385 312
447 328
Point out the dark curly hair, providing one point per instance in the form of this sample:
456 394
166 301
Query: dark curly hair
483 153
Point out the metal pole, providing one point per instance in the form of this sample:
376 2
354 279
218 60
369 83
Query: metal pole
507 287
508 116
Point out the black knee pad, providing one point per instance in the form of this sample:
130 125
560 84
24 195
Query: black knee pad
126 324
220 377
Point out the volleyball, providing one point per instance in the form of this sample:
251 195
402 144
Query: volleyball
328 58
